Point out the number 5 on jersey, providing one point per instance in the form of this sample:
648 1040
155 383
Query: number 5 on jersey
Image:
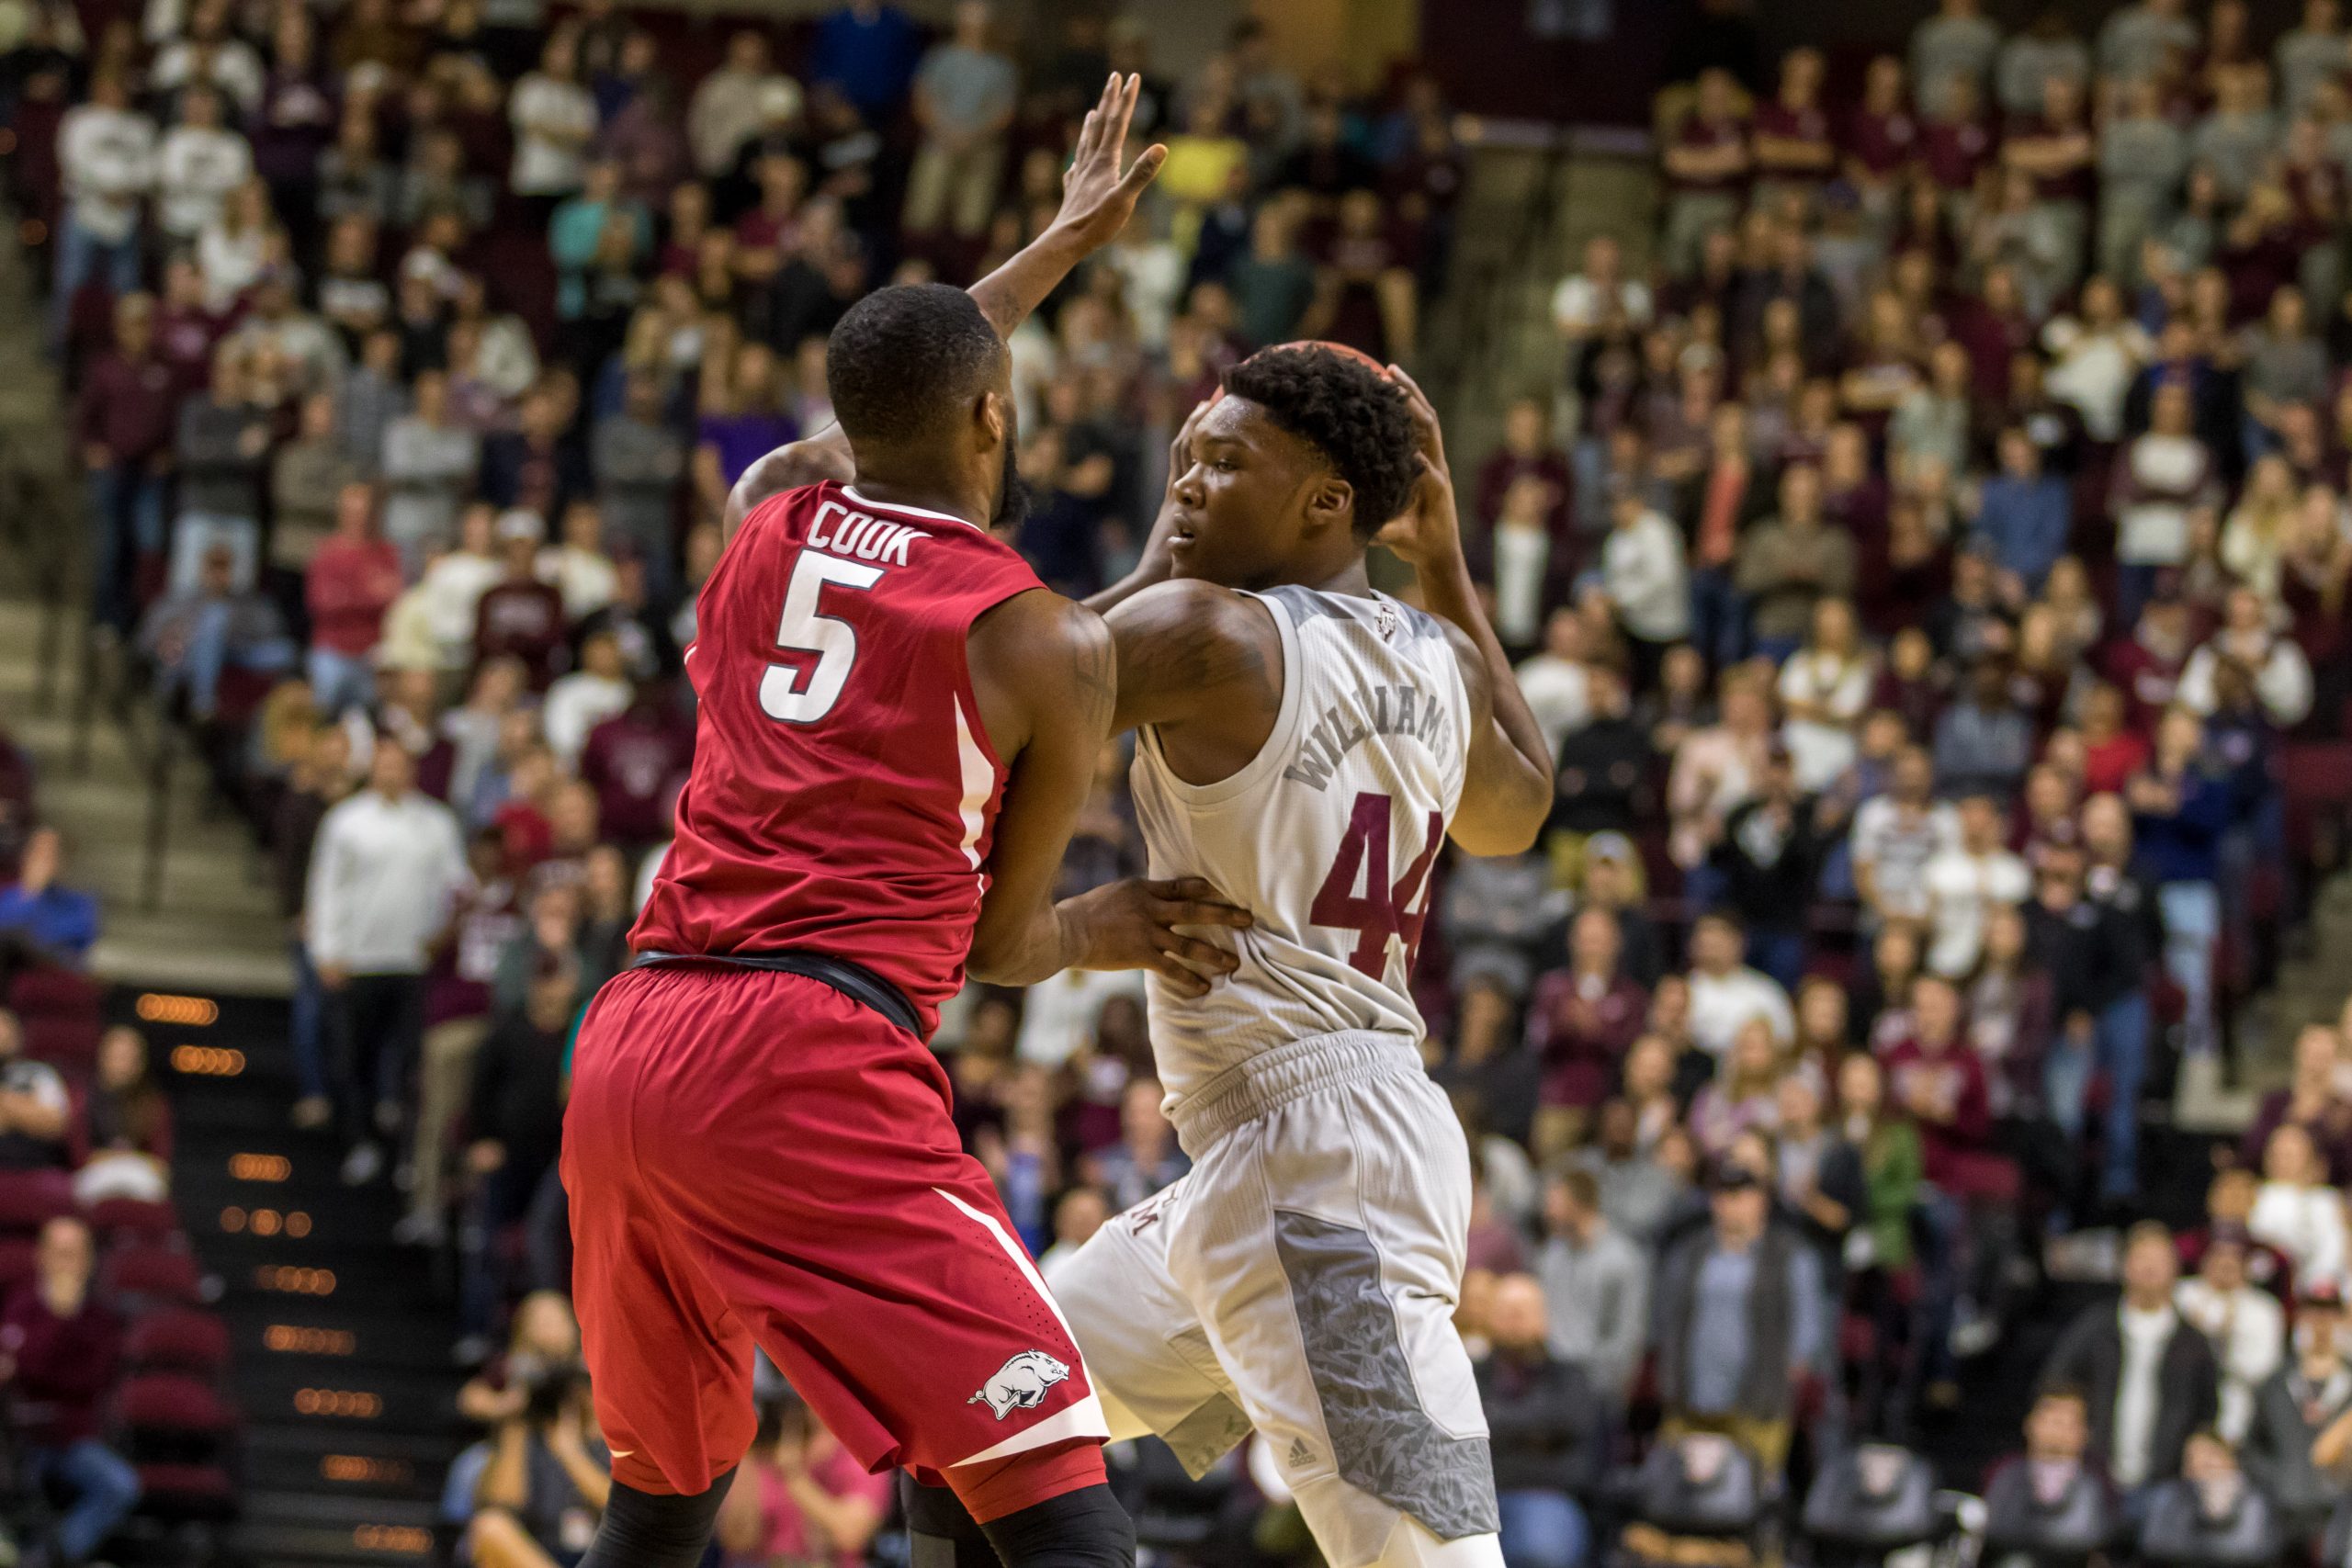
803 693
1382 909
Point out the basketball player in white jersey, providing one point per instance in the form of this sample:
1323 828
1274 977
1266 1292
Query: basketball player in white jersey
1304 744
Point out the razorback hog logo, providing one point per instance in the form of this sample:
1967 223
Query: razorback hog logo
1021 1383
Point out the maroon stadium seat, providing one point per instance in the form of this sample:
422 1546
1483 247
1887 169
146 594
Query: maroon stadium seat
178 1339
30 1198
173 1404
15 1262
69 1045
187 1492
150 1274
56 993
135 1217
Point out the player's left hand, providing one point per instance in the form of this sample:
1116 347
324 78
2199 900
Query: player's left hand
1132 925
1427 532
1098 197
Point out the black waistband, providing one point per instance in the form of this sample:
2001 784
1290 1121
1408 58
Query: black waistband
854 981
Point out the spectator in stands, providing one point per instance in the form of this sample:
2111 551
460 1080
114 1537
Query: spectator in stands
548 1479
353 578
62 1352
383 879
2298 1442
199 635
964 95
804 1499
2090 958
125 416
219 454
1967 882
122 1126
41 919
2244 1323
1596 1282
1547 1436
2179 810
1725 993
1739 1313
106 159
2297 1211
515 1118
2311 1099
2147 1378
34 1106
2056 1495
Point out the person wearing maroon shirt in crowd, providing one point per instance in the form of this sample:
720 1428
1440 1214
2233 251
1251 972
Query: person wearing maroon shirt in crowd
520 616
2147 666
1997 327
2309 1100
459 1004
1793 150
1526 453
1956 143
352 581
1707 165
634 760
1582 1020
59 1349
1882 137
125 419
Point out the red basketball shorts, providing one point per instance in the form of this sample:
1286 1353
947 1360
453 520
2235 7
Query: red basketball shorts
752 1158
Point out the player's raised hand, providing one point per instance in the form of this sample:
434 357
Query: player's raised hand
1429 530
1132 925
1098 197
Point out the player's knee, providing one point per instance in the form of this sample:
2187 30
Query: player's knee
651 1530
1085 1529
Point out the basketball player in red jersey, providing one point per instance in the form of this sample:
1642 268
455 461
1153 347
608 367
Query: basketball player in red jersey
897 728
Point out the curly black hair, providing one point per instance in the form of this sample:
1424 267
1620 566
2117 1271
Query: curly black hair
904 359
1346 409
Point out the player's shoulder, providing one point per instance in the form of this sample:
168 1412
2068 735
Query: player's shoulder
1201 628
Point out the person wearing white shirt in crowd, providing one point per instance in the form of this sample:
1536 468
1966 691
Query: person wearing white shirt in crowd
1643 572
106 157
555 119
725 112
1966 882
1583 303
212 55
456 581
2244 1324
1898 835
384 875
581 700
1557 683
2282 674
2297 1211
1825 687
579 568
198 165
1057 1016
2095 355
1725 993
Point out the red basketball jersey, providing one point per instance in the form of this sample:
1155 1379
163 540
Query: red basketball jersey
843 792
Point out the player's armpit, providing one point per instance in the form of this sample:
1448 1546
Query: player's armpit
1046 679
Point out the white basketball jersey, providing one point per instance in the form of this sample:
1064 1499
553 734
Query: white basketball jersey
1326 837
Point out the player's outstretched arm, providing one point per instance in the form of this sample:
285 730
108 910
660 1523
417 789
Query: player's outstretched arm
1098 198
1507 786
1046 677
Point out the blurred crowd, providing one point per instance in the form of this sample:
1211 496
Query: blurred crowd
1929 569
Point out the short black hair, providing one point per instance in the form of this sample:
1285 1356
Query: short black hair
906 358
1341 406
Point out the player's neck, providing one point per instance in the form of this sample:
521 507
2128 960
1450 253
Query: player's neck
1349 578
922 495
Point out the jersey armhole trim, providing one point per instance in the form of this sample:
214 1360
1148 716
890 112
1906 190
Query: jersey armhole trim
1272 751
968 691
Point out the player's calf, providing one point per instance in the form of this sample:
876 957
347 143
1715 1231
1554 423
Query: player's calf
650 1530
1052 1509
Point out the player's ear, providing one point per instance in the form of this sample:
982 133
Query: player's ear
993 416
1330 503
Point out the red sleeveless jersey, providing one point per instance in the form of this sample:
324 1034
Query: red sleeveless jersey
843 792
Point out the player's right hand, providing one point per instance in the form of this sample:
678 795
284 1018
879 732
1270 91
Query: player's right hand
1133 925
1098 197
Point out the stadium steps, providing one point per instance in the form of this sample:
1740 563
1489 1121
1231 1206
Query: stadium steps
213 924
340 1340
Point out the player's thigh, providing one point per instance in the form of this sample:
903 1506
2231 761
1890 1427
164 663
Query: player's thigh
1323 1251
832 1204
1146 1347
669 1363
